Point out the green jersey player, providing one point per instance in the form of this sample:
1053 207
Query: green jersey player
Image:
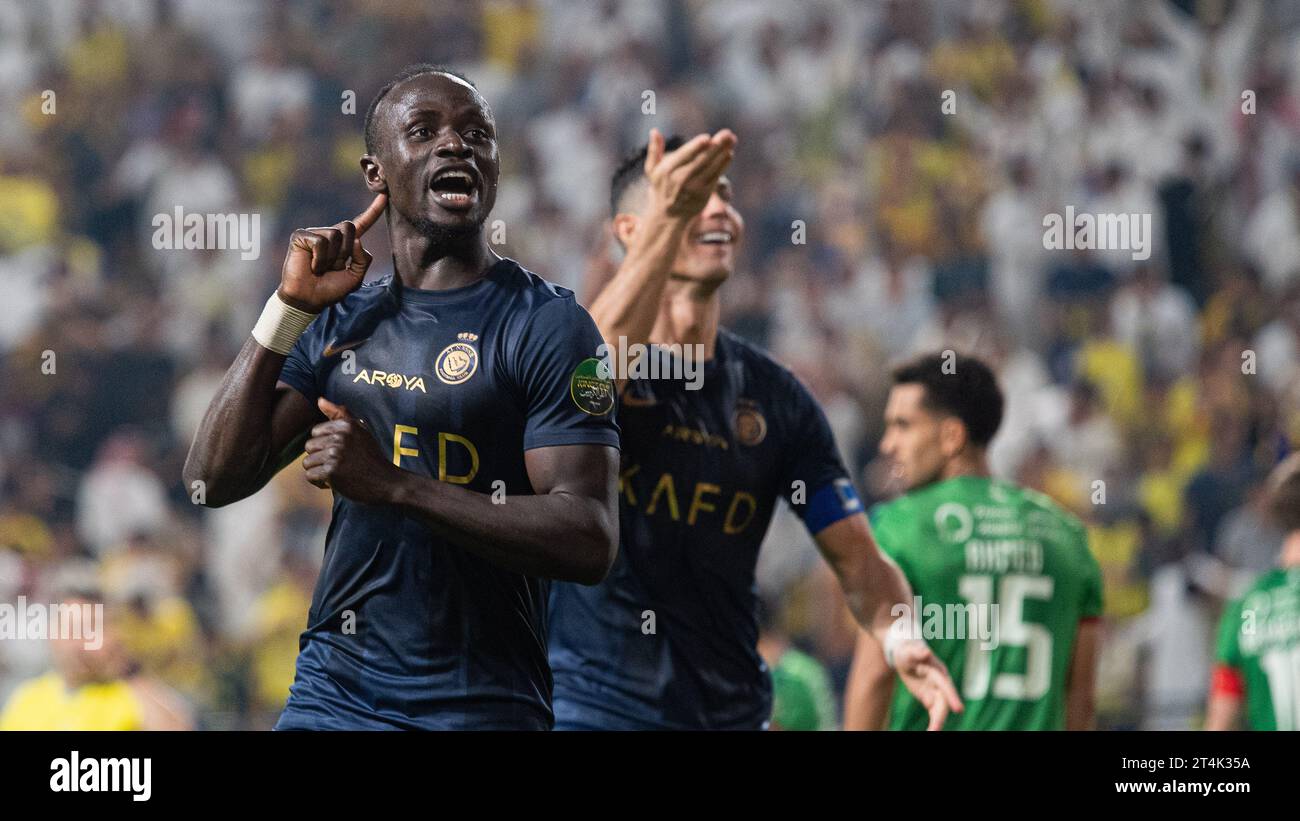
1258 658
1006 590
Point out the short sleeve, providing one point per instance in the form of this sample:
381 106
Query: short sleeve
813 478
568 396
300 370
1227 650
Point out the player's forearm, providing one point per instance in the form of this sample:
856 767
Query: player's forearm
629 304
558 535
1081 686
1080 709
232 447
873 588
873 585
1222 713
869 688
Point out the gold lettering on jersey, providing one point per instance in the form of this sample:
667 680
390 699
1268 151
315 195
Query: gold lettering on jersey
665 484
729 525
391 380
398 450
445 439
694 436
705 498
698 503
625 486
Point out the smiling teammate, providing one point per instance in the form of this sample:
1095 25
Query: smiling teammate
423 400
669 640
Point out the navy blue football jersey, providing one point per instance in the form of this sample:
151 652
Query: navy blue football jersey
668 640
407 630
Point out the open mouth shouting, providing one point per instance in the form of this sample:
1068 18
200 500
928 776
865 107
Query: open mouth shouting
455 187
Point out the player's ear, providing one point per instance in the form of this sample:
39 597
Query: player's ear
952 436
374 174
624 226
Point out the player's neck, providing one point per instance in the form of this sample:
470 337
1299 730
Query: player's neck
967 463
689 315
440 264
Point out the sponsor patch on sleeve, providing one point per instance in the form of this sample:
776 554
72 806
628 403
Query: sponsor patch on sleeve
591 389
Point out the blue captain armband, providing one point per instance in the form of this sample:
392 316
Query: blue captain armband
832 502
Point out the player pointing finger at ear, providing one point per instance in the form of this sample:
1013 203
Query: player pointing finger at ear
324 265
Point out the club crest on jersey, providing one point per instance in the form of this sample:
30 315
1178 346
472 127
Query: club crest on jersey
391 380
954 522
749 423
591 390
458 361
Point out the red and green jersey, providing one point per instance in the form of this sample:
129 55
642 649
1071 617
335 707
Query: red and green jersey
1001 577
1259 641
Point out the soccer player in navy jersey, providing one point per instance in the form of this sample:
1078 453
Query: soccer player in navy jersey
669 639
458 414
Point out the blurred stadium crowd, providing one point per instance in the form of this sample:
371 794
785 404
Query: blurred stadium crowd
1174 382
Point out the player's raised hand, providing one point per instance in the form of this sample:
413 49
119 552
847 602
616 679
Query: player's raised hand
342 454
682 181
326 264
926 677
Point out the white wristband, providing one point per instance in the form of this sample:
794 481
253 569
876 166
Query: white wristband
280 325
900 631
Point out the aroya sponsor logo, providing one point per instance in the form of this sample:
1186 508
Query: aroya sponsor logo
394 381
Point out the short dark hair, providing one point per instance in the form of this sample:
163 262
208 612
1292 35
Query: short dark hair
631 170
410 72
963 387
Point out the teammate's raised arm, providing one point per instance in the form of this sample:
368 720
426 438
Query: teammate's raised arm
654 207
255 425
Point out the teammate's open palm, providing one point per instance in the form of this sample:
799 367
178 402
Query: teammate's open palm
326 264
926 677
681 181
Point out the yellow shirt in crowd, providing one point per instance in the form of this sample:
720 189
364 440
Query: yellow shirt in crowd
45 704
